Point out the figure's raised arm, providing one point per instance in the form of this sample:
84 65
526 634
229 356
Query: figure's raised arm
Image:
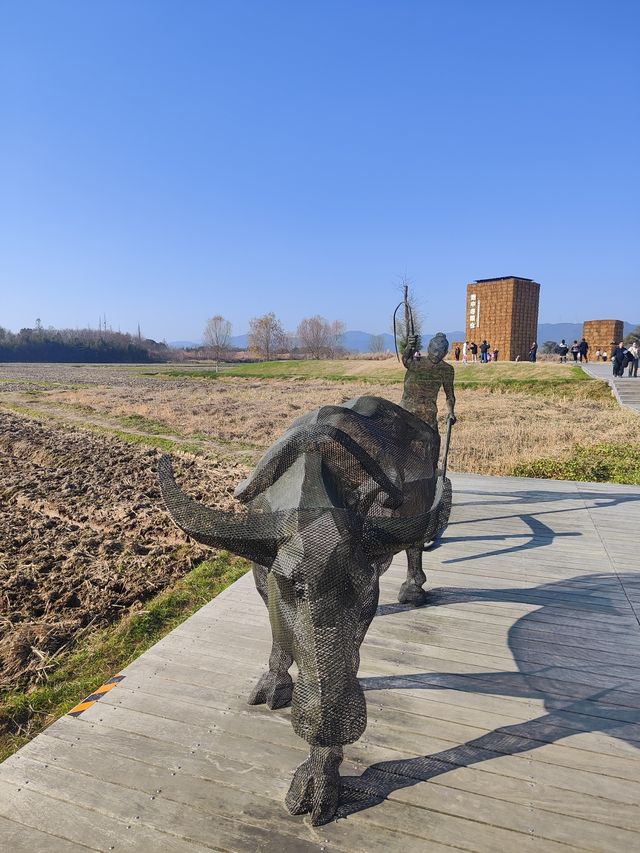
410 350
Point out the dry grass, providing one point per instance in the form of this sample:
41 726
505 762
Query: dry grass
496 432
499 427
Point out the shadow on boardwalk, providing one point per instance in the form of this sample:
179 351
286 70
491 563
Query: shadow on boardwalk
541 534
579 654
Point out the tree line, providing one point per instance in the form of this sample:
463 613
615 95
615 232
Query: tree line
78 345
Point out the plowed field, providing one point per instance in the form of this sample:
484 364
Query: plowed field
83 535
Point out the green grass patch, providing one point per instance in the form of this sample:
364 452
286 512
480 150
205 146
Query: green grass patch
146 425
549 379
168 445
24 713
602 463
542 378
329 369
181 373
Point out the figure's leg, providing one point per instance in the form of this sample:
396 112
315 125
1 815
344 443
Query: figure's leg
276 685
411 591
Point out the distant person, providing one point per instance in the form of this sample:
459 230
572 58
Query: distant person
575 350
465 352
619 359
598 354
456 352
474 351
533 352
634 352
605 355
484 349
495 355
563 349
583 348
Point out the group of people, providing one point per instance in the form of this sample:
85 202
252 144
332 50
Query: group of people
579 351
621 357
626 357
469 352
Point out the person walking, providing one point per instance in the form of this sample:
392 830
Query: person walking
465 349
456 352
619 359
474 351
634 351
583 348
563 349
533 352
575 350
598 355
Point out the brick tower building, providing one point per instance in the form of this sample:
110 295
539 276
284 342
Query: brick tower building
600 334
504 312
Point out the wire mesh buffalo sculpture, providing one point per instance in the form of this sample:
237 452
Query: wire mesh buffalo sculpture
329 504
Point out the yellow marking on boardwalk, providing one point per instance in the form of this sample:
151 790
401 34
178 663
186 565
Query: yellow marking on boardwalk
97 694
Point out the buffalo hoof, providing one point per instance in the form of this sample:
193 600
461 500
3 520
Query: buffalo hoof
315 788
411 593
273 690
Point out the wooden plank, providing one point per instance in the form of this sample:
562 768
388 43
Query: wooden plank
482 781
18 838
42 810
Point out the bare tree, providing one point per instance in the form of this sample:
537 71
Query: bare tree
337 331
376 343
266 336
319 338
216 336
412 312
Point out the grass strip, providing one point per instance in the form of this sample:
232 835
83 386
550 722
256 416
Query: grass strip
601 463
25 713
168 445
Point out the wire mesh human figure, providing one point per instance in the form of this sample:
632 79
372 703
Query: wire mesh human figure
425 377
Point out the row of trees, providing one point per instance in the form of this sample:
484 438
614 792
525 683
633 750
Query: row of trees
78 345
315 337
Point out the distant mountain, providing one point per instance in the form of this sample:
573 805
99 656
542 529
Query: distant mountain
356 341
184 344
240 341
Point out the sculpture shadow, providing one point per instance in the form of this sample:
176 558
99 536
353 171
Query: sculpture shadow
541 534
578 654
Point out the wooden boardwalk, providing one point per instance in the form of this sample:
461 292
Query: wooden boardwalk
505 716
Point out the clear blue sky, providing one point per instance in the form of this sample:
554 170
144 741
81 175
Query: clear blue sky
162 162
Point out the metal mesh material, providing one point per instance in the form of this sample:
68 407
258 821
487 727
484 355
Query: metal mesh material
333 499
440 516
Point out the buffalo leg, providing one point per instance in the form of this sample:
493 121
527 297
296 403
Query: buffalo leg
275 687
316 785
411 591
